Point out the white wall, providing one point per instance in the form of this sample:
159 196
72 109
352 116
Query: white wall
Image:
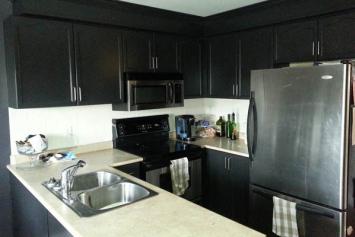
81 125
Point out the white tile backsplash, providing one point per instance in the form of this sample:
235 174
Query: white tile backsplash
82 125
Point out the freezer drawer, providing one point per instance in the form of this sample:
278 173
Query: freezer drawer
312 220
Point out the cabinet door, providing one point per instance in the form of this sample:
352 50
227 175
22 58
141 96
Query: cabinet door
336 37
98 64
295 42
56 229
190 65
222 53
239 178
40 74
218 193
29 216
138 48
255 52
166 53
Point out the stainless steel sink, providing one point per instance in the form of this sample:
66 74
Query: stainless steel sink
113 196
100 191
94 180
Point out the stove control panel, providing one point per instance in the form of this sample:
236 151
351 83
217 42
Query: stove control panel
141 125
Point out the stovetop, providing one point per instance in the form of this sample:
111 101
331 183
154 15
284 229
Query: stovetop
157 150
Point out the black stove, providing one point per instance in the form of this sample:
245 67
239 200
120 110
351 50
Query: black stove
148 137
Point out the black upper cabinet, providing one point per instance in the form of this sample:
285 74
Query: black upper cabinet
232 57
39 57
166 59
190 65
52 63
149 52
222 66
255 52
336 37
138 51
98 64
227 185
296 42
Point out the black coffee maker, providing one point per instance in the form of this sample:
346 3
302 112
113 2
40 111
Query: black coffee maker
183 125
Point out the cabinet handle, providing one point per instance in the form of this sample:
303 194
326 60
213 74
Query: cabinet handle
156 63
313 48
233 88
153 63
80 97
229 163
72 98
225 163
318 48
70 53
74 93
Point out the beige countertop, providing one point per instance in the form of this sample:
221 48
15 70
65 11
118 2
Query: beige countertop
162 215
236 147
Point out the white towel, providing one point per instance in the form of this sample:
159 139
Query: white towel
284 221
180 177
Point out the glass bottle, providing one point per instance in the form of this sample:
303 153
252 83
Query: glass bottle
221 127
232 127
227 126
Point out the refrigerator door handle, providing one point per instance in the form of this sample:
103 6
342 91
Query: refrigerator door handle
252 113
314 211
299 207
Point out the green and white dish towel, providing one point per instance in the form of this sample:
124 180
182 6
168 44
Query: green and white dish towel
179 170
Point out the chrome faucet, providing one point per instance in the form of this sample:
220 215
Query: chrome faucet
67 178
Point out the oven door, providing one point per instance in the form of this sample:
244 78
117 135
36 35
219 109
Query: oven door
161 177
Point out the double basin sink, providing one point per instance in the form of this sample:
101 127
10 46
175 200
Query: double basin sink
100 191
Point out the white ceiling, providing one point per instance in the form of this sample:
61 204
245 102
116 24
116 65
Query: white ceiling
196 7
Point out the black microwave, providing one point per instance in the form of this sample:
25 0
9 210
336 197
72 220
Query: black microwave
151 91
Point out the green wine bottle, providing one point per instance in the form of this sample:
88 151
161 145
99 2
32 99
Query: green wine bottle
221 127
228 126
232 127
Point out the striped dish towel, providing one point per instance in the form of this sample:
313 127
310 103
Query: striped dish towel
180 177
284 221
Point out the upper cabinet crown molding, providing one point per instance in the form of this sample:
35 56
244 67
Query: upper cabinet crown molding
271 12
113 13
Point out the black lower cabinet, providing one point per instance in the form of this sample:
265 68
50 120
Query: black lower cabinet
227 185
30 217
55 229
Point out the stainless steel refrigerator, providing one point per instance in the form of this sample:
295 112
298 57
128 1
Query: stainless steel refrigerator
299 141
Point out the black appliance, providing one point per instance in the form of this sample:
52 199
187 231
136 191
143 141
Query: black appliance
184 125
148 137
151 91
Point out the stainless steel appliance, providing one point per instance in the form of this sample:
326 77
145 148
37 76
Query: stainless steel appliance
151 91
184 127
298 141
148 137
